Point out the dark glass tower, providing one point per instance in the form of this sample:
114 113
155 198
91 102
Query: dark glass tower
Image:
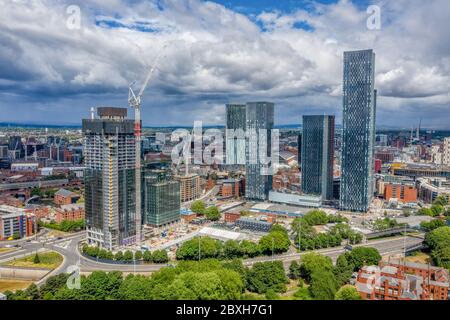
259 115
110 189
358 133
318 155
235 143
161 198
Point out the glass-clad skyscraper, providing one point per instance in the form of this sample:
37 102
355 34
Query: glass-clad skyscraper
161 203
317 149
109 179
235 134
259 115
358 132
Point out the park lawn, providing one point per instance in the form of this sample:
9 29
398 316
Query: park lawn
48 260
12 285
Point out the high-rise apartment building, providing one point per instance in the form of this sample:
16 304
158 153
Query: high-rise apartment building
110 189
259 116
446 152
190 188
235 134
358 134
318 155
161 200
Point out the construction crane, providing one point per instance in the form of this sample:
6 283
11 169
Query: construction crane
135 103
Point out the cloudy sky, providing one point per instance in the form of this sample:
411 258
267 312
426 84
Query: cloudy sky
54 69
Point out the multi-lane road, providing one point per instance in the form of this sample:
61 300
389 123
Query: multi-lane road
68 248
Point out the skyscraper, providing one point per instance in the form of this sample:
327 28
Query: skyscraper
358 133
110 191
259 116
235 134
318 155
161 203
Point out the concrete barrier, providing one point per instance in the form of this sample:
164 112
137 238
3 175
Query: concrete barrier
19 273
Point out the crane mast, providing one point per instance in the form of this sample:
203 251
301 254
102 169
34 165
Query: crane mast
135 102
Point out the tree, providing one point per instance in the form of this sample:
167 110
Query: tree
323 285
200 247
135 287
36 259
118 256
231 249
198 207
361 256
425 212
127 256
438 241
147 256
313 261
343 270
441 201
237 266
249 249
294 270
316 217
264 276
32 292
437 210
138 255
347 292
431 225
212 213
274 242
160 256
279 228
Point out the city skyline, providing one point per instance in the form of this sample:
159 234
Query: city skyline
214 62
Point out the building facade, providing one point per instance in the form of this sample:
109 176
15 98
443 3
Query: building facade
109 178
190 188
318 155
446 152
161 200
235 134
15 223
358 134
259 116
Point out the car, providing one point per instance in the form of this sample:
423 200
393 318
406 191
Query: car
28 240
59 238
348 247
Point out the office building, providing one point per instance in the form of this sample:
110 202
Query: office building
161 200
259 116
109 178
358 133
318 156
235 134
15 223
190 188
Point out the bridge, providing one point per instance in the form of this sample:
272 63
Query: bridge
389 232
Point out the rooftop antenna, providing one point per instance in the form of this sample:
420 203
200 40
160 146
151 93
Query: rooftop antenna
92 113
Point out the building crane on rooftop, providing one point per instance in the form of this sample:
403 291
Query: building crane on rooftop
134 102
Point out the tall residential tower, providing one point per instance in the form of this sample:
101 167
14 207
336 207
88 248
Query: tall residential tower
259 116
358 133
317 151
235 134
110 191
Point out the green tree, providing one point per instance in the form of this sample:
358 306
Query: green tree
342 270
118 256
316 217
441 201
274 242
323 285
438 241
200 247
231 249
212 213
198 207
36 259
249 249
136 287
313 261
264 276
127 256
294 270
32 292
160 256
138 255
147 256
431 225
361 256
425 212
347 292
437 210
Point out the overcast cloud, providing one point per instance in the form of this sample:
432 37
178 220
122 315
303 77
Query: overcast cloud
52 74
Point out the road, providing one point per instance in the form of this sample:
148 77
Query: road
68 248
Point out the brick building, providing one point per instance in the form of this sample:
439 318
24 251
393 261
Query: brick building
404 193
71 212
401 280
231 216
63 196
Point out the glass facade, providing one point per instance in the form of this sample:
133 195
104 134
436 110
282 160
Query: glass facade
235 135
317 149
259 115
161 199
358 133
